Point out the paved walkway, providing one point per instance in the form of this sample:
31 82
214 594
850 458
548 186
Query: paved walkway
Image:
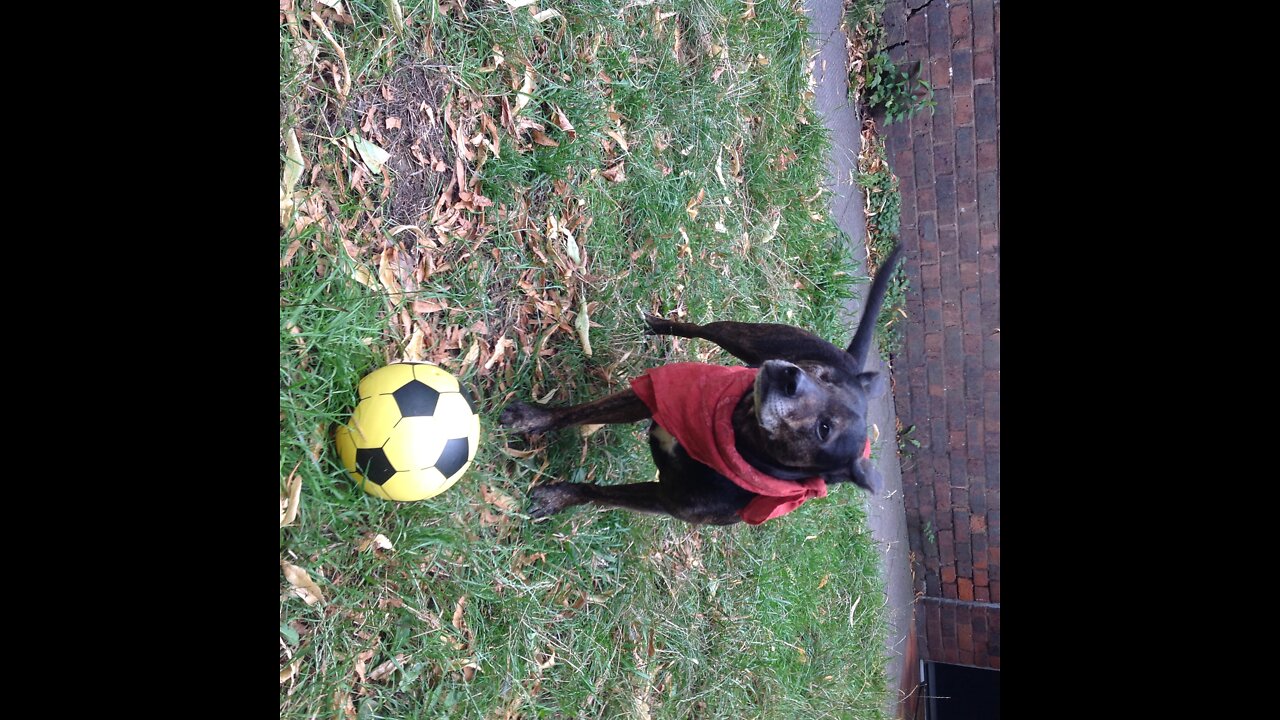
886 514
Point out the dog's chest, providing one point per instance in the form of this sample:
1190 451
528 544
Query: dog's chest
665 441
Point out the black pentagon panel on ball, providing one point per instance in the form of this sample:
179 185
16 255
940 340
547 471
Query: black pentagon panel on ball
374 465
416 399
453 457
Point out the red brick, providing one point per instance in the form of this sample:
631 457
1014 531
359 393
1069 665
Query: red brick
961 72
939 35
984 66
984 26
961 107
973 433
940 72
980 578
977 524
949 591
986 156
960 26
984 111
964 588
964 635
917 34
981 594
995 591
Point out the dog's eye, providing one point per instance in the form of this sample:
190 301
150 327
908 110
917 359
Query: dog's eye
823 430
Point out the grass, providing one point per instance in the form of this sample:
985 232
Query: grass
711 210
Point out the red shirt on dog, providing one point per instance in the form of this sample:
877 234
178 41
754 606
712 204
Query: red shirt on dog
695 402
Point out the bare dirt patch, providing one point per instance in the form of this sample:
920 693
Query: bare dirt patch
403 116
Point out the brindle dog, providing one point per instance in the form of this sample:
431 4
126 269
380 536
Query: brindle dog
805 416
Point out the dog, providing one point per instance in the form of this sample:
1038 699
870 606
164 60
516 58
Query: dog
735 444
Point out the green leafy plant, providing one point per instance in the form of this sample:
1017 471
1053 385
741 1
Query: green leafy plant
890 89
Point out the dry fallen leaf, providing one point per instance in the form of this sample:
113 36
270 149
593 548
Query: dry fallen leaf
519 3
425 307
560 120
692 207
541 138
583 325
393 123
302 583
622 140
362 275
458 612
378 541
526 91
496 497
617 173
372 155
289 671
362 661
386 668
547 15
293 496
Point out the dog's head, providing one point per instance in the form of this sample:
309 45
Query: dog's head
809 419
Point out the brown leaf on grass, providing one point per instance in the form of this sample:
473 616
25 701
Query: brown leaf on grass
560 120
545 660
382 671
342 702
583 325
426 307
415 350
617 173
458 610
362 660
525 93
469 671
547 15
694 202
378 541
345 90
393 123
290 671
622 140
293 496
541 138
302 583
499 351
499 499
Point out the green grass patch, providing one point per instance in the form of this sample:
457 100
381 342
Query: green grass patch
690 185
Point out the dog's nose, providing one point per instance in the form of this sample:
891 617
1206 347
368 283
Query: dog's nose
786 377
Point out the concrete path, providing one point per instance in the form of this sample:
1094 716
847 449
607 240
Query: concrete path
886 514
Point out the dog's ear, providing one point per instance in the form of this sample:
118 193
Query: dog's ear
872 383
866 475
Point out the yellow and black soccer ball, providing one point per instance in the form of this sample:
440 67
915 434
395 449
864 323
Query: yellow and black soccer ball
413 434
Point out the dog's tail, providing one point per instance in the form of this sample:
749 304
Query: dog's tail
861 343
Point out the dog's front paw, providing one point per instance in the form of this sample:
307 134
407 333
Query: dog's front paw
657 325
525 418
547 500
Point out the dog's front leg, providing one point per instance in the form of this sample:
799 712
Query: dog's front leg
623 407
545 500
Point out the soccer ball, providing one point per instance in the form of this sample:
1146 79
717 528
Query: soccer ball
413 433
